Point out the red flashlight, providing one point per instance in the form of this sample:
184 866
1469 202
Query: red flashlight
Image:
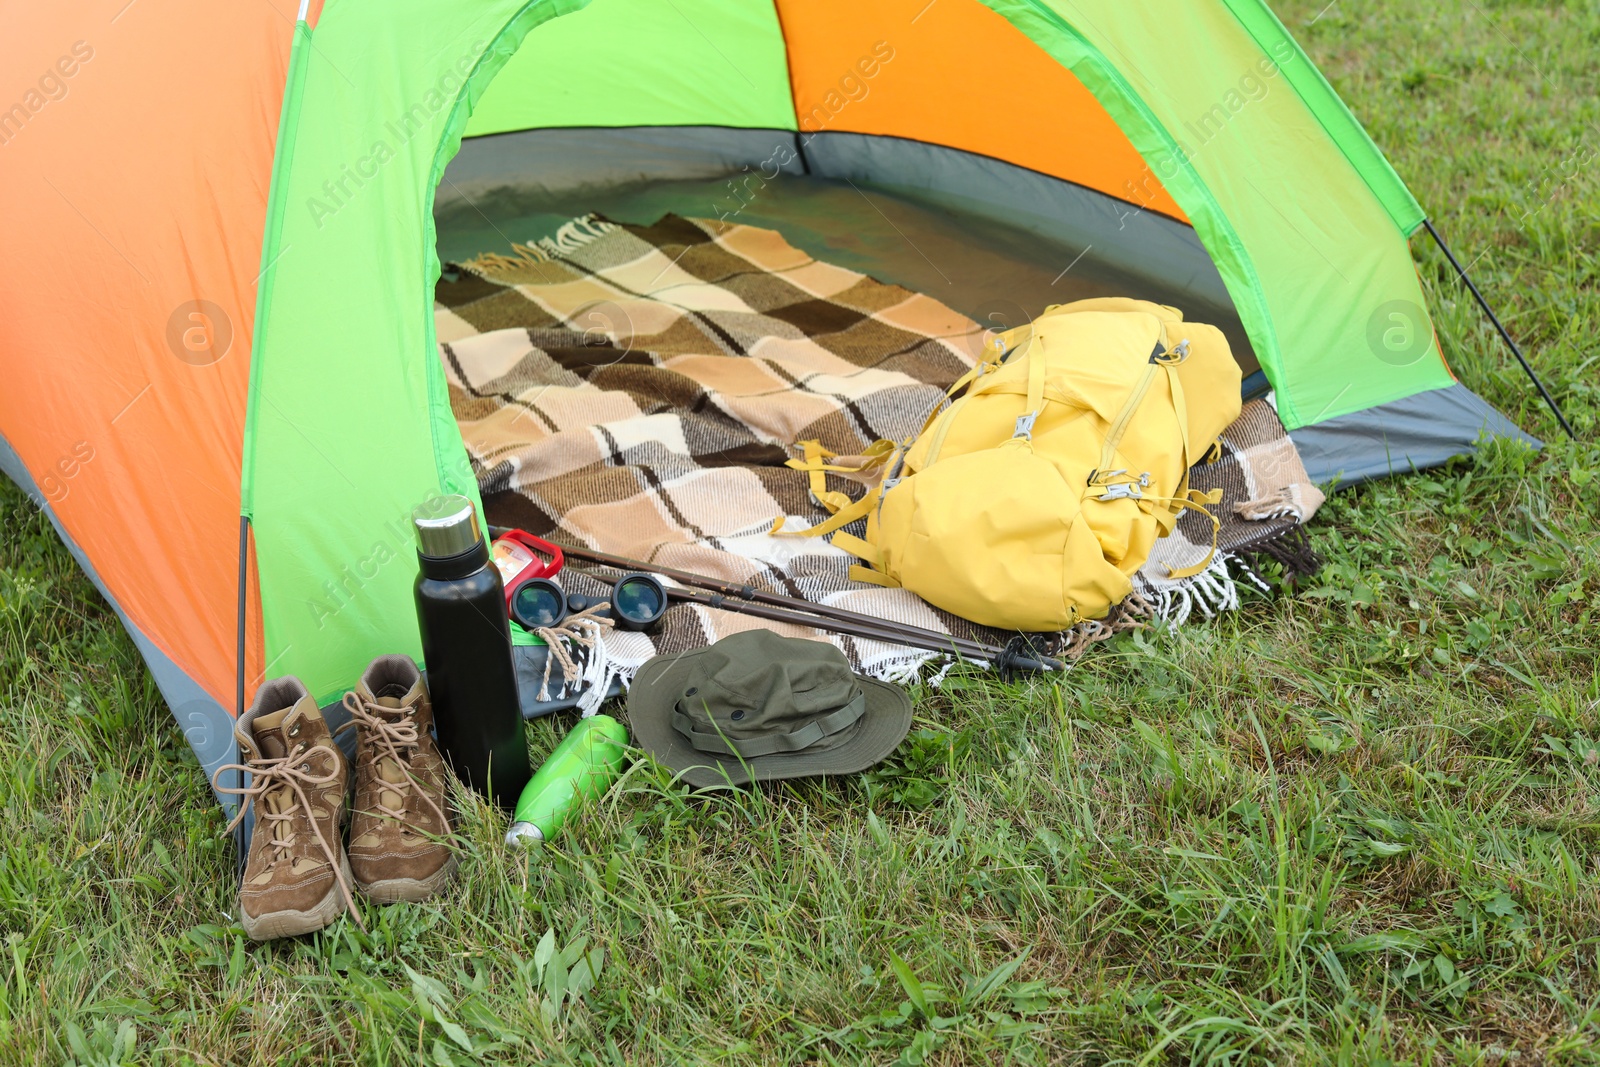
520 556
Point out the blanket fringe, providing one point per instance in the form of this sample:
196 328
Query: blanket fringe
578 644
909 668
1216 589
1211 592
903 669
1291 549
568 238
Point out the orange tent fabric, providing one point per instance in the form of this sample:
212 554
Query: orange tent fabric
949 73
141 135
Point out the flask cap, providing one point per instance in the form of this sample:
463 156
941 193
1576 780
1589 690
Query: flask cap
446 526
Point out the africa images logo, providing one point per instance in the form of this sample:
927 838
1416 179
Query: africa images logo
1398 333
199 332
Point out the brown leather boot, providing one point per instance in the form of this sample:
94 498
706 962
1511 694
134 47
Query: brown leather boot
296 877
399 831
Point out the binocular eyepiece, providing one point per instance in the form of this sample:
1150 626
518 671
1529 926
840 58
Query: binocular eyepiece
637 602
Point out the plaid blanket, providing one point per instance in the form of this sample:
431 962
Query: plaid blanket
637 389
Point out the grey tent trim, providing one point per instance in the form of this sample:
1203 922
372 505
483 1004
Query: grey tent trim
558 160
1402 436
206 724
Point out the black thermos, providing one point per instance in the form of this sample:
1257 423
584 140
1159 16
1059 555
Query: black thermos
466 645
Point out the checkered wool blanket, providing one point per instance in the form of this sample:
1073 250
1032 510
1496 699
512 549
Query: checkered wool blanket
637 389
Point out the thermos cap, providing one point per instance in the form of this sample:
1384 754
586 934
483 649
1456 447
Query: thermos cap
446 526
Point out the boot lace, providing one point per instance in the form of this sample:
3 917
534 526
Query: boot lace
396 741
269 776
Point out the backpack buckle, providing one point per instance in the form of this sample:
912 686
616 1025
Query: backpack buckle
1125 490
1024 428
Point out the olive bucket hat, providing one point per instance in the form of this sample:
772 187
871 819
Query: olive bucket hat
756 706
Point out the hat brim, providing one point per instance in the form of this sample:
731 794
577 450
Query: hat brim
658 684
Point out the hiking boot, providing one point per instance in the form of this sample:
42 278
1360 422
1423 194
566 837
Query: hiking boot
296 877
399 829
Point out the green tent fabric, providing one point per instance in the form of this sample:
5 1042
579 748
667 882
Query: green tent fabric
645 65
1294 224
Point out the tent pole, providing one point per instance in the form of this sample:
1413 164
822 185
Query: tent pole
239 839
244 560
1461 272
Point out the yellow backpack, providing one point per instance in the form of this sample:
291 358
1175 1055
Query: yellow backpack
1029 502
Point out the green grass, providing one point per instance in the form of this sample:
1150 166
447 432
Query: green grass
1356 825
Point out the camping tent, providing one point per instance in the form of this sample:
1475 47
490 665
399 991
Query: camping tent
221 376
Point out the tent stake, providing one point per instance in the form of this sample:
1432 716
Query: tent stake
1461 272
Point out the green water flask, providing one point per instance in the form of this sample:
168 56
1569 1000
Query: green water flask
581 769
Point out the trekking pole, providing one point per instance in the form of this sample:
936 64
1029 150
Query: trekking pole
946 643
748 599
777 600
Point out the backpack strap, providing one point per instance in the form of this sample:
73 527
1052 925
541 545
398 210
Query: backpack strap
844 510
1035 402
870 554
868 575
1180 406
886 454
1195 500
996 351
814 460
978 370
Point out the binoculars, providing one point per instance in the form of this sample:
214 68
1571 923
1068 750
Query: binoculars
637 602
528 568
